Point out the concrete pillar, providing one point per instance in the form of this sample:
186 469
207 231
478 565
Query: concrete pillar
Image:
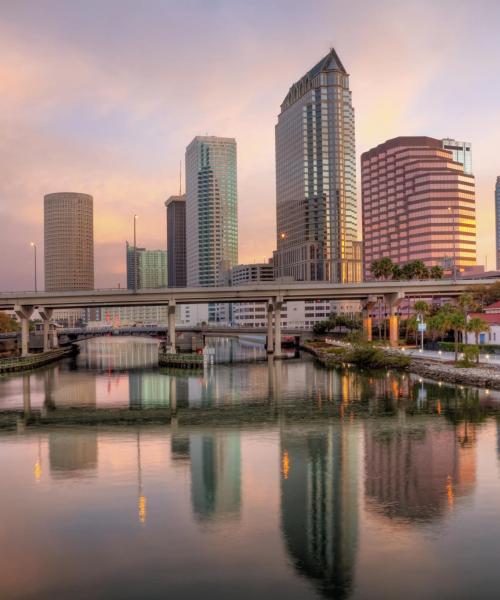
393 301
171 327
270 336
24 313
277 327
55 339
367 326
46 315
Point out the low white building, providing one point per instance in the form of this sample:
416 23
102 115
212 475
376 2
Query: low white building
491 316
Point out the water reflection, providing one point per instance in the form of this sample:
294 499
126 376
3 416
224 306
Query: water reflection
72 454
415 470
319 503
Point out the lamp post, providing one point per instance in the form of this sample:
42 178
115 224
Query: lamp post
33 245
135 253
452 212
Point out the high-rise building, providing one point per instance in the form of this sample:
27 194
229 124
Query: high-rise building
151 267
69 242
418 203
497 220
316 178
211 209
176 240
462 153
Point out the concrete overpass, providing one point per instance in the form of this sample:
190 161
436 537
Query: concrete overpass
273 294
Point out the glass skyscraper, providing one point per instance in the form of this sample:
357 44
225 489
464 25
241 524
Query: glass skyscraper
462 153
497 220
316 178
151 268
211 209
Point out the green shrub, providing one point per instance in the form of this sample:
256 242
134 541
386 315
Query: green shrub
375 358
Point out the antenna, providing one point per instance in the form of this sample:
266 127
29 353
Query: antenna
180 178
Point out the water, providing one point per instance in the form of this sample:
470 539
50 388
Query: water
334 484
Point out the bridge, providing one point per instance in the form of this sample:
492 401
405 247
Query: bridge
272 294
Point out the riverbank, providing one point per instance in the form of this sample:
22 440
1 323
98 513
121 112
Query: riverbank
33 361
479 376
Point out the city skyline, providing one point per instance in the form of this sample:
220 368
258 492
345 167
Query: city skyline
117 127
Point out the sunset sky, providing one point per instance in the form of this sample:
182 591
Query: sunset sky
103 96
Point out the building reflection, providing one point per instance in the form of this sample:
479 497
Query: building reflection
215 475
69 389
72 454
214 460
415 470
116 354
149 390
319 503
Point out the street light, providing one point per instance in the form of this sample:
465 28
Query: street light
33 245
135 253
450 210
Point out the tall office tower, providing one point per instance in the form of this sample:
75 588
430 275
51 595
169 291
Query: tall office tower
176 240
151 267
462 153
211 209
497 220
69 242
316 178
418 203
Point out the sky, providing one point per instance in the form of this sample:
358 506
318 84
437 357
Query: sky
103 97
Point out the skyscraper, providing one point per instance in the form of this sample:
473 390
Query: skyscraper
151 267
211 209
69 242
176 240
497 220
316 178
462 153
418 203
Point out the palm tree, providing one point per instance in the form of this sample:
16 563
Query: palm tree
436 272
476 325
382 268
457 322
397 272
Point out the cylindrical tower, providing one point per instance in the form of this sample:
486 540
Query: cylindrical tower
69 241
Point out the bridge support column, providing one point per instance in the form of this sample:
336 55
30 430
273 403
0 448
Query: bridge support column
367 319
171 327
46 315
270 336
393 301
24 313
277 327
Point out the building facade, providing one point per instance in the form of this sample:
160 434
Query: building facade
316 178
176 240
497 221
151 268
211 209
69 242
462 153
418 204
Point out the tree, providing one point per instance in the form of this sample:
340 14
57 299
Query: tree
457 322
476 325
436 272
382 268
397 272
8 323
421 308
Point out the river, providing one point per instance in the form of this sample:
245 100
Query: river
266 479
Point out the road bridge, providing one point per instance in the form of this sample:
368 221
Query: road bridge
272 294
